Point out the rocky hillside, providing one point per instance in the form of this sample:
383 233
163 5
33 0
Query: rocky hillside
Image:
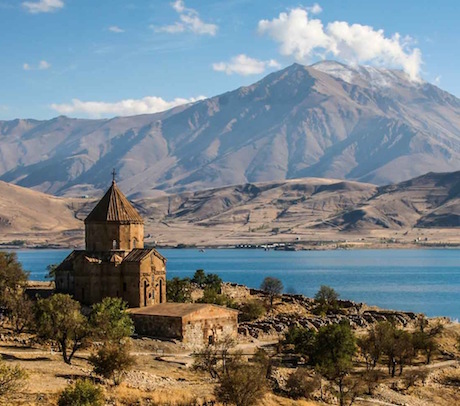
327 120
292 210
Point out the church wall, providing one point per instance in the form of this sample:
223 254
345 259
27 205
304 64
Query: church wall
158 326
112 235
131 284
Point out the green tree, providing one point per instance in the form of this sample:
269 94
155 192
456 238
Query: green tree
332 355
213 297
51 271
251 310
199 278
59 319
213 282
12 379
82 393
327 299
273 287
112 361
179 290
302 338
109 320
12 276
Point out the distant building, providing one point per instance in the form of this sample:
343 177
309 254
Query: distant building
115 262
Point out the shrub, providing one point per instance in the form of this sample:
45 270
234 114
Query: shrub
251 310
300 384
112 361
11 379
242 385
82 393
213 297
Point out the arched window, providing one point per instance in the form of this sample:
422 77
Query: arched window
134 242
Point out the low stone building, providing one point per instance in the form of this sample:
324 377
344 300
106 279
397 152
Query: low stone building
194 324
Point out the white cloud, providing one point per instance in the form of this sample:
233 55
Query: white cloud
116 29
43 6
189 20
315 9
42 65
303 37
244 65
128 107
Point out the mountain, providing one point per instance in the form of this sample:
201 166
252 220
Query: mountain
30 215
307 209
327 120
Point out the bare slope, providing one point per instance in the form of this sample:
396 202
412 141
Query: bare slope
25 212
327 120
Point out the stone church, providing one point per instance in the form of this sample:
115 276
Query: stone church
115 262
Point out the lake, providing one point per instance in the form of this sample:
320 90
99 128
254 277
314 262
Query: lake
425 281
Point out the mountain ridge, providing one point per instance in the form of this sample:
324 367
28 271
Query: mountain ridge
302 121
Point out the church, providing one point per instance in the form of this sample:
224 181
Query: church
115 262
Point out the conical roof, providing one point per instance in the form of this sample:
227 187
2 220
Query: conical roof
114 206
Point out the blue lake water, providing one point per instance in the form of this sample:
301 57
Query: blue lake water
425 281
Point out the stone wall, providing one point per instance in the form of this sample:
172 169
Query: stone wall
106 236
158 326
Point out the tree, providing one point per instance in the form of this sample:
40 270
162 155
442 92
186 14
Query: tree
12 276
12 379
332 355
51 268
109 320
302 338
272 287
82 393
20 310
251 310
242 385
112 360
59 319
179 290
213 297
213 281
199 278
326 297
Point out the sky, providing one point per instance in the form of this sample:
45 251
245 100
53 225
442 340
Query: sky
105 58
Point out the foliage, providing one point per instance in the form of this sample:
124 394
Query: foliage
211 296
82 393
332 355
300 384
20 310
59 319
179 290
241 384
199 278
302 338
110 321
273 287
214 358
12 276
51 271
251 310
327 300
12 379
112 361
213 282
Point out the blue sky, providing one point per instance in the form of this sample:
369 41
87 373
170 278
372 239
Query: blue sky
101 58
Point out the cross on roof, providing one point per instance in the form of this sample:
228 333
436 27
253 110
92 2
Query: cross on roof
114 173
